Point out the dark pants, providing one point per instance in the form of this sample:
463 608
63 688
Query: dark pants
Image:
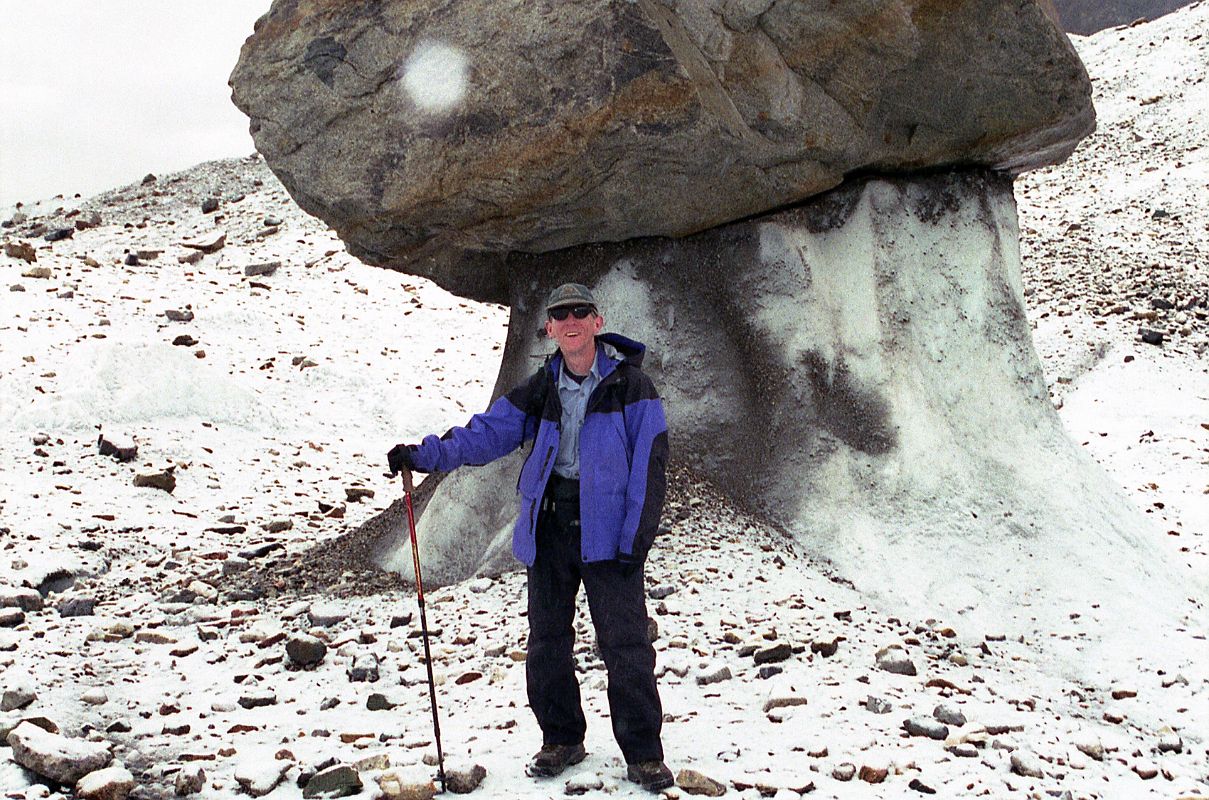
617 604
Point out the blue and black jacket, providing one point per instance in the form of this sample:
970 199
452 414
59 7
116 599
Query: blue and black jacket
623 452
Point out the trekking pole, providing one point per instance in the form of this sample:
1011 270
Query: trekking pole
408 488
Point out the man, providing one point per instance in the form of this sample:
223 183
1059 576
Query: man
591 492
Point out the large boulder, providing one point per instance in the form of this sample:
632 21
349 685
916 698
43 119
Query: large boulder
422 130
859 370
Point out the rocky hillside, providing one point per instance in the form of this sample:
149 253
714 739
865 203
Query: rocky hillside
1088 16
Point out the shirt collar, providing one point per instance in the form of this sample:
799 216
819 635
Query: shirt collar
564 380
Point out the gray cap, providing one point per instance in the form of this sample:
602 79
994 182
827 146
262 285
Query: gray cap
570 294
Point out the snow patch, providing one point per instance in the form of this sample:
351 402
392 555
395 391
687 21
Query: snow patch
122 382
435 77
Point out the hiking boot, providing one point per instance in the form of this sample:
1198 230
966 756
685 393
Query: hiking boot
552 759
654 776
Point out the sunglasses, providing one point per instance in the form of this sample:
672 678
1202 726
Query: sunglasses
579 312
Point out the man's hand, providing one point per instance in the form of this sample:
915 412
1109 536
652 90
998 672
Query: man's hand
400 458
629 564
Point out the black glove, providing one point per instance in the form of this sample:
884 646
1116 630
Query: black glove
401 457
629 564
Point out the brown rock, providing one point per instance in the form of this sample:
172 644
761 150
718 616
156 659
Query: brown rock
22 250
873 774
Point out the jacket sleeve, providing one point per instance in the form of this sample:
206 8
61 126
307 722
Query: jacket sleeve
646 428
496 432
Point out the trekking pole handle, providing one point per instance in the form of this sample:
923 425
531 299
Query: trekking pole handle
408 484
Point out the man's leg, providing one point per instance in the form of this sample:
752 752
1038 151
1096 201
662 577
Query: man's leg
618 604
550 665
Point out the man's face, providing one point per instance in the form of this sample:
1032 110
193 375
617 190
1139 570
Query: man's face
573 336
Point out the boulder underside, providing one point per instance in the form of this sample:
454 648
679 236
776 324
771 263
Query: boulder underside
859 370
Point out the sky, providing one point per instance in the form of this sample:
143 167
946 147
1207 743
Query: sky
98 94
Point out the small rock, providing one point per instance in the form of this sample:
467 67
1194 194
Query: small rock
694 782
878 705
824 648
895 659
179 315
715 674
772 655
325 615
783 702
378 702
23 598
190 780
95 697
949 715
122 451
265 268
111 783
464 780
583 783
258 699
355 494
184 340
260 776
38 273
922 726
1027 765
364 669
164 480
22 250
77 607
844 772
209 205
1091 747
964 750
1170 741
210 242
873 774
11 617
59 234
1151 336
304 650
396 786
17 697
920 786
338 781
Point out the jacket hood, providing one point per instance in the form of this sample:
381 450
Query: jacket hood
632 352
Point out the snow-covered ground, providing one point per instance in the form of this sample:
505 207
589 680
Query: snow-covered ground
275 405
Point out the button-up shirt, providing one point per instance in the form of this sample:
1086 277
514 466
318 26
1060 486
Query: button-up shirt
574 396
